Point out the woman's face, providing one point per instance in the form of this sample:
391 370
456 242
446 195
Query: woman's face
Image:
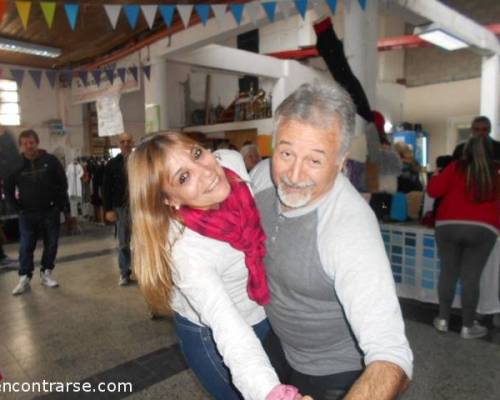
196 179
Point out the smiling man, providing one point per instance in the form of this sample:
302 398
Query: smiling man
337 322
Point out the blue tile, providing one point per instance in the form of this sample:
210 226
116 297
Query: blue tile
410 251
396 269
428 263
396 259
428 241
410 272
410 261
426 274
410 241
429 253
397 249
397 278
409 281
427 284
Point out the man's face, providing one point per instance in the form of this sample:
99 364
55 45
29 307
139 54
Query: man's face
126 144
29 147
305 162
480 129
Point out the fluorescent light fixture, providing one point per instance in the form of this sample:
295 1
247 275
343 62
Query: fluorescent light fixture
439 37
29 48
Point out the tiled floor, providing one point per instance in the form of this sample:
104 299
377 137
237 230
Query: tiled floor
91 330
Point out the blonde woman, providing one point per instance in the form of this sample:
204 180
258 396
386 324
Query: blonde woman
198 251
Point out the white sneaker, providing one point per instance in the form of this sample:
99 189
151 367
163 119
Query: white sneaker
124 281
476 331
22 286
440 324
47 280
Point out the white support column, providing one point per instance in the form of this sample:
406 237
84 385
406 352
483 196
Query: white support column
155 89
490 92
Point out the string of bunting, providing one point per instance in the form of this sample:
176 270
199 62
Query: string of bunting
18 74
149 11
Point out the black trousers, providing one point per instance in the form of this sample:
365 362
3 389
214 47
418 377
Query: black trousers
327 387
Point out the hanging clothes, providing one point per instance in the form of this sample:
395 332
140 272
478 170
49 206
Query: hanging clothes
74 172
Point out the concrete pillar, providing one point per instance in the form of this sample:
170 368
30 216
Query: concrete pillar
490 92
155 90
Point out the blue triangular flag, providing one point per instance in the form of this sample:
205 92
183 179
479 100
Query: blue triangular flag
18 75
301 6
121 73
147 71
332 4
270 9
203 11
67 76
132 13
96 73
133 71
237 11
362 3
72 14
36 75
167 13
51 77
110 74
83 77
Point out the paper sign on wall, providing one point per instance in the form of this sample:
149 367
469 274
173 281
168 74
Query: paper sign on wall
109 116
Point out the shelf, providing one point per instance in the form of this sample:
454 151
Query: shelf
263 126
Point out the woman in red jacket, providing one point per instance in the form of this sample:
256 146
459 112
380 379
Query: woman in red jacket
467 224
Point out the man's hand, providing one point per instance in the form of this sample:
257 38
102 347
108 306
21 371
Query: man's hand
110 216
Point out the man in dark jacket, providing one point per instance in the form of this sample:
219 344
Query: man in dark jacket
115 201
480 126
41 185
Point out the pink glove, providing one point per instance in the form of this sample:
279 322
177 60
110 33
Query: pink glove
283 392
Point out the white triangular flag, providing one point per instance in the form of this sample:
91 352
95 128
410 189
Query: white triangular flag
286 8
320 8
149 13
113 12
219 13
185 13
253 9
347 6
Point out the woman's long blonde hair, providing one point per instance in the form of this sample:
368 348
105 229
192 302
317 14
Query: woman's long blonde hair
151 216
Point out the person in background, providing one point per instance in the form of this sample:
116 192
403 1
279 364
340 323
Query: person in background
467 224
198 251
338 329
250 154
41 184
115 203
480 126
409 179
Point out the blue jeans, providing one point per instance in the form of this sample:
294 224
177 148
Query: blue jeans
200 351
123 233
31 224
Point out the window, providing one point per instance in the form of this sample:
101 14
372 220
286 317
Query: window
9 103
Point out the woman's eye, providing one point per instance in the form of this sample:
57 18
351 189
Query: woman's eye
183 178
197 153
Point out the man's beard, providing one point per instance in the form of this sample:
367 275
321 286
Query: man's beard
297 199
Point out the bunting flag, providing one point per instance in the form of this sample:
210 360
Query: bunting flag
185 13
48 9
67 76
270 9
149 13
362 3
3 8
132 13
96 73
51 77
237 11
113 12
203 11
121 73
147 71
219 13
319 7
301 6
133 71
347 5
84 77
332 4
23 9
18 75
286 8
253 11
110 74
72 14
167 13
36 75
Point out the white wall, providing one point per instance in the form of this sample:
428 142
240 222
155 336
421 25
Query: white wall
133 112
434 105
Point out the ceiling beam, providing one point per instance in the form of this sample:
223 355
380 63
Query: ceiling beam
454 22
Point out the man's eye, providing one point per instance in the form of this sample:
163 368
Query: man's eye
285 154
315 162
197 153
183 178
